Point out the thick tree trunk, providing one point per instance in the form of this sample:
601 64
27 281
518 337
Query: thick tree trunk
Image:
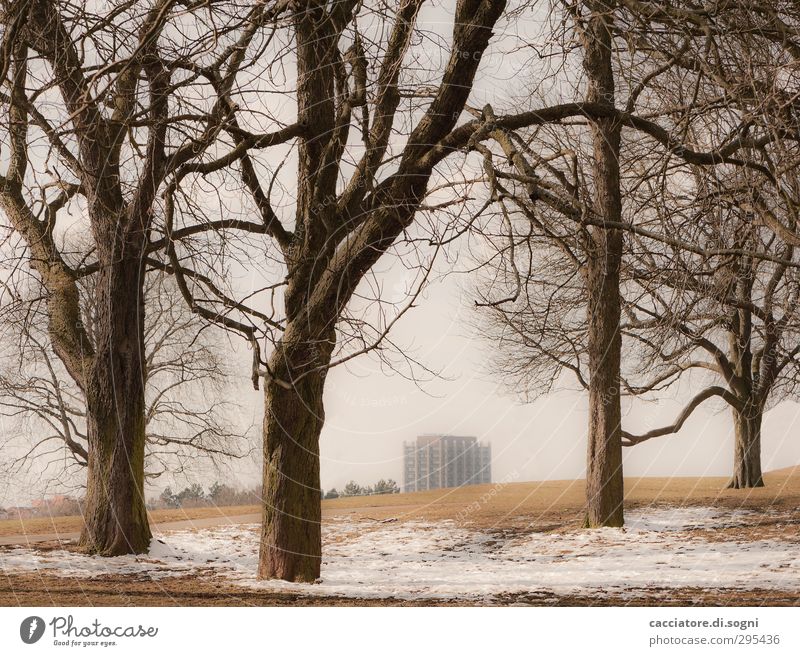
291 538
115 514
604 485
747 448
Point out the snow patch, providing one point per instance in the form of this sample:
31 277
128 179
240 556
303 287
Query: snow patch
685 518
409 560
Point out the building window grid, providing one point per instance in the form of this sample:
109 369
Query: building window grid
445 461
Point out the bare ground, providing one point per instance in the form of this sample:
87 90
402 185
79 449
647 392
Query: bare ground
35 590
504 509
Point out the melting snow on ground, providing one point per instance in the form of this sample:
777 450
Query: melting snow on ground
443 560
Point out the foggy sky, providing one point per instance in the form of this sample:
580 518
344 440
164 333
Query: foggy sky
370 414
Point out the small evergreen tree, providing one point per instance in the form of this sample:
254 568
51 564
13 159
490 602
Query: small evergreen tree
192 495
352 489
386 487
168 498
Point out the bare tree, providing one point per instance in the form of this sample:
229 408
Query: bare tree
734 316
705 287
730 76
566 185
144 124
342 228
556 300
186 385
104 105
604 491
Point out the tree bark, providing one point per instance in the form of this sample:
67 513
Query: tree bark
604 484
747 448
115 514
291 538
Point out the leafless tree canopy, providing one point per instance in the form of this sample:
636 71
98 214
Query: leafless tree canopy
707 279
188 384
108 106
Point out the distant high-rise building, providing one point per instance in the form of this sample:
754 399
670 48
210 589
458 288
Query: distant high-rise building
434 461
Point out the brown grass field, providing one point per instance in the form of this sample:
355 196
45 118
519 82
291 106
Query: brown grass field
531 506
62 525
510 505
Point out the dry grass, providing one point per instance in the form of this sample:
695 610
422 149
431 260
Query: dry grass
506 505
61 525
497 505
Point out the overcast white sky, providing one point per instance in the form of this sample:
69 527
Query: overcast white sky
370 414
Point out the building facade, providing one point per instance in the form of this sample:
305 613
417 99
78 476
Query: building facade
434 461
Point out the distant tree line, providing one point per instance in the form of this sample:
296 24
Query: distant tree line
191 496
353 489
195 496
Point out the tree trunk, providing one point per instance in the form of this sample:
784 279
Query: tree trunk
291 538
604 485
115 514
747 448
